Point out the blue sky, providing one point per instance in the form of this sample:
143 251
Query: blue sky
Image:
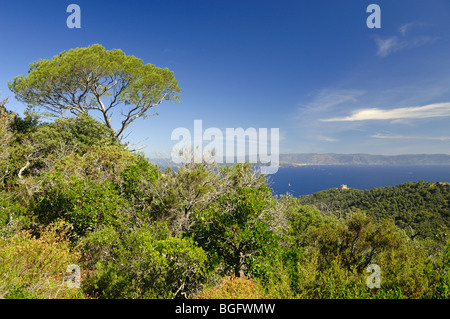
313 69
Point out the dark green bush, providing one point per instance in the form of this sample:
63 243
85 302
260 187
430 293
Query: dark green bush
143 263
85 204
233 230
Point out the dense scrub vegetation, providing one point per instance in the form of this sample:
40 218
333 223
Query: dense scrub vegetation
420 209
70 193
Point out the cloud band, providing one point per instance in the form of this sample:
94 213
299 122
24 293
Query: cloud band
414 112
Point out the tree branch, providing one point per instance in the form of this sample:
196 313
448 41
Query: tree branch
23 169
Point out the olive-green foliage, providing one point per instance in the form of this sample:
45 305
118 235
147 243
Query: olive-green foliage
357 240
176 195
279 273
421 209
85 204
302 219
232 287
3 102
13 216
6 135
85 79
233 230
80 131
5 131
182 192
442 288
170 194
99 162
408 263
36 267
43 155
409 270
142 263
36 148
337 282
138 182
331 260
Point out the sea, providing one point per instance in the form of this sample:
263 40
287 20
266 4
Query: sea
308 179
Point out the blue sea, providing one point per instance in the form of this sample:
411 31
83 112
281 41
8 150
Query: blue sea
309 179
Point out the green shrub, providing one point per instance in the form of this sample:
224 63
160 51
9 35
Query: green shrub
442 287
36 147
142 263
98 163
234 232
84 203
408 269
13 217
33 267
135 174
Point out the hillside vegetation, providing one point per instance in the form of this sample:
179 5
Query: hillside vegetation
420 209
71 194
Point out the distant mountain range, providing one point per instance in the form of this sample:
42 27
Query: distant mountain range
300 159
363 159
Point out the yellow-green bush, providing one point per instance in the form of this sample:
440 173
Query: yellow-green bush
33 267
232 287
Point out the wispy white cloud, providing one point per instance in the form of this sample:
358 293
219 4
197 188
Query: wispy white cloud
394 44
386 46
328 98
414 112
404 28
406 137
328 139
